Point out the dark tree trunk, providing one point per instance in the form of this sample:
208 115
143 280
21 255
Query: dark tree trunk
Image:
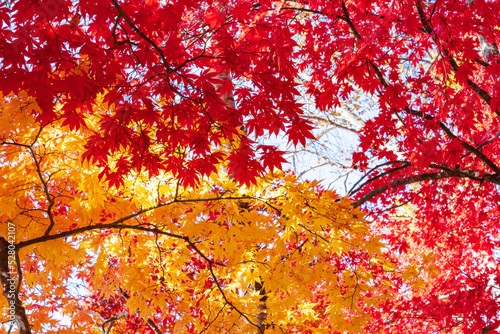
8 289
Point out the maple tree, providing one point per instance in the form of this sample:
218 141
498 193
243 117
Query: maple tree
431 70
156 255
138 129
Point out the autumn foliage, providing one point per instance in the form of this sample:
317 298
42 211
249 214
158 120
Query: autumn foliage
188 260
147 197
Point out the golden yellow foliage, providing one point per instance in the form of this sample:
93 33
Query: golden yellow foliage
221 257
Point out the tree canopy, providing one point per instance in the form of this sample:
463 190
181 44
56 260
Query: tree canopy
143 190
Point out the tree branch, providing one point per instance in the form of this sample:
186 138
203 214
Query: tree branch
177 236
210 266
355 190
451 135
447 173
141 34
45 188
117 222
150 322
428 29
454 65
